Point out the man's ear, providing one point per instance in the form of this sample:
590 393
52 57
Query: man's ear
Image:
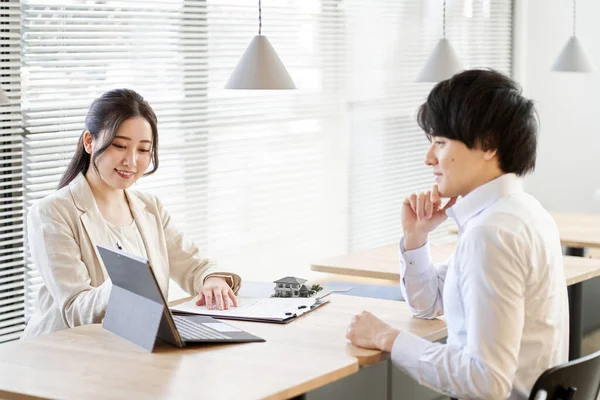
487 143
87 142
489 154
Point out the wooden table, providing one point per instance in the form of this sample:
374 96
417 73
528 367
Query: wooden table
383 263
577 231
89 362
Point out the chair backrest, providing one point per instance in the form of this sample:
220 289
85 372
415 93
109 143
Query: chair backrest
575 380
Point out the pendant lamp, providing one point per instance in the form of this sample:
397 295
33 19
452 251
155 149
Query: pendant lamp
573 57
443 62
260 67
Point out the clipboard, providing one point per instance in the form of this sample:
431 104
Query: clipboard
268 312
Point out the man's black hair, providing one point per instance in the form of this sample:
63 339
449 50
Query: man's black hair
484 109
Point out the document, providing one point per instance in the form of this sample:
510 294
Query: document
271 309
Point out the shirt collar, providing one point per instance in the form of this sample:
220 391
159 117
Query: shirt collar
483 197
84 197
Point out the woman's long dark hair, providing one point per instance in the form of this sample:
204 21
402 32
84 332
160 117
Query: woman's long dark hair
106 114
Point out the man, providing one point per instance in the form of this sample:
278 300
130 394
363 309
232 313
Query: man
503 291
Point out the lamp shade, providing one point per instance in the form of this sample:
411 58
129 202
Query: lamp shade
573 58
441 64
3 98
260 68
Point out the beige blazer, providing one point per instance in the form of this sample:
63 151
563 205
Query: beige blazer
63 229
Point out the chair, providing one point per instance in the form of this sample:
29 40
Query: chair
575 380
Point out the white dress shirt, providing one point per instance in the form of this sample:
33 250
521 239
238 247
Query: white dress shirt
503 293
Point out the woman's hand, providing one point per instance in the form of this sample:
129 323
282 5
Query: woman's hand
216 292
422 213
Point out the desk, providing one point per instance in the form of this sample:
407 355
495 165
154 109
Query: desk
89 362
383 263
577 231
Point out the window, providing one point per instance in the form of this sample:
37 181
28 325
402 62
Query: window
12 269
388 42
264 182
75 50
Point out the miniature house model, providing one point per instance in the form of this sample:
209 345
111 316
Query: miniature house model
291 287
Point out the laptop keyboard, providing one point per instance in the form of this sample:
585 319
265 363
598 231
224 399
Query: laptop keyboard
190 330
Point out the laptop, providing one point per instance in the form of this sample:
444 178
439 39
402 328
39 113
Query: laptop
138 312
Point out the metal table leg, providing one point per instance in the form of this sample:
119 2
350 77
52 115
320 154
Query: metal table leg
575 310
575 320
575 251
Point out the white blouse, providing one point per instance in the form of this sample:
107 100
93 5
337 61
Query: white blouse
127 238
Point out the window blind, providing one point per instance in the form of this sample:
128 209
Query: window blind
252 177
12 270
388 44
264 182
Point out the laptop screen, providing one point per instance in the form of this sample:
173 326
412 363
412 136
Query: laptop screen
128 274
134 275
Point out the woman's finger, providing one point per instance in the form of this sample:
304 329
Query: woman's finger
225 295
200 301
233 297
219 300
208 296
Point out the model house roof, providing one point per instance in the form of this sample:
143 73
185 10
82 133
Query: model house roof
291 279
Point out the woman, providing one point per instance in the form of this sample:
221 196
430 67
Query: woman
93 205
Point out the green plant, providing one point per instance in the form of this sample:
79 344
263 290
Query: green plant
316 288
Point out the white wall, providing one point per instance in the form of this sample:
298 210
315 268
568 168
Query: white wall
568 165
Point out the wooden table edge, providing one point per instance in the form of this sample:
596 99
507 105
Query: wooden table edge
315 383
355 272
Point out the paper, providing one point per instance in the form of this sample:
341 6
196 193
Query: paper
273 308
